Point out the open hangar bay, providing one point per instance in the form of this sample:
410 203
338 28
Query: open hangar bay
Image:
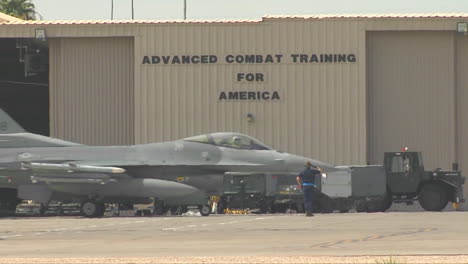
342 89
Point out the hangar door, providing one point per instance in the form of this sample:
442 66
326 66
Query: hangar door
411 95
91 90
461 58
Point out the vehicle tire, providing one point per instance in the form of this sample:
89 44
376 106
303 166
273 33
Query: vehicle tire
387 202
361 206
325 204
272 209
300 208
281 208
90 209
205 210
262 206
342 205
374 206
433 197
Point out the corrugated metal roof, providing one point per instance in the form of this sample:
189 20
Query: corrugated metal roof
104 22
369 16
267 17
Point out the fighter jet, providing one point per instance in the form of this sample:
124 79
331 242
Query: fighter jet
39 168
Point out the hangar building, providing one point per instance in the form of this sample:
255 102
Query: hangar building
339 88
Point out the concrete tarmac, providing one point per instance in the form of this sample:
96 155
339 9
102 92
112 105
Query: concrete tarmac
350 234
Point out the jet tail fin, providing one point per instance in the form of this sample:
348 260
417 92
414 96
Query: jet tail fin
13 135
8 125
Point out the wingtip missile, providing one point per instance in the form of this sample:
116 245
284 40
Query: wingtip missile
117 170
70 167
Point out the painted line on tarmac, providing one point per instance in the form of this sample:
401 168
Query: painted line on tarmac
79 229
336 244
184 228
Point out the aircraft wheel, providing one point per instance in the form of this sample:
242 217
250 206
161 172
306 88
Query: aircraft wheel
433 197
60 211
42 209
146 212
159 208
222 204
205 210
176 210
91 209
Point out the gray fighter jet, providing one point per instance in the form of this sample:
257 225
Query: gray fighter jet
39 168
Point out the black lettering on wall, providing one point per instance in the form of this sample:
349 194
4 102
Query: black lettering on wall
155 59
222 96
250 59
146 60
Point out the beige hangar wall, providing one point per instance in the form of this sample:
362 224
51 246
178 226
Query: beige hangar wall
91 90
407 86
321 110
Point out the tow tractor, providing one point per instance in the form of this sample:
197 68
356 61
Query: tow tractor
365 188
407 181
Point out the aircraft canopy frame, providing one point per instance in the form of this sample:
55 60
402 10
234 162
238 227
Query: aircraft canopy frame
229 140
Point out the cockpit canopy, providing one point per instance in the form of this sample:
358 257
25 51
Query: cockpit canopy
229 140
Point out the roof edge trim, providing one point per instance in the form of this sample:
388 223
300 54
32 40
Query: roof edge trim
7 18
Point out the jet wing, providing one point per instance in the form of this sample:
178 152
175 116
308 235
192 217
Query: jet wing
238 173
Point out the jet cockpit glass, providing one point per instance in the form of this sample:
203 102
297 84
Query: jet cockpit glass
199 139
229 140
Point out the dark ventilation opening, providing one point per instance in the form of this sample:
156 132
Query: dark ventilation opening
24 82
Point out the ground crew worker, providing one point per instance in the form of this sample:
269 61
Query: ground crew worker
306 180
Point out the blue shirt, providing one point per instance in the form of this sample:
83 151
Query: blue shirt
308 176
